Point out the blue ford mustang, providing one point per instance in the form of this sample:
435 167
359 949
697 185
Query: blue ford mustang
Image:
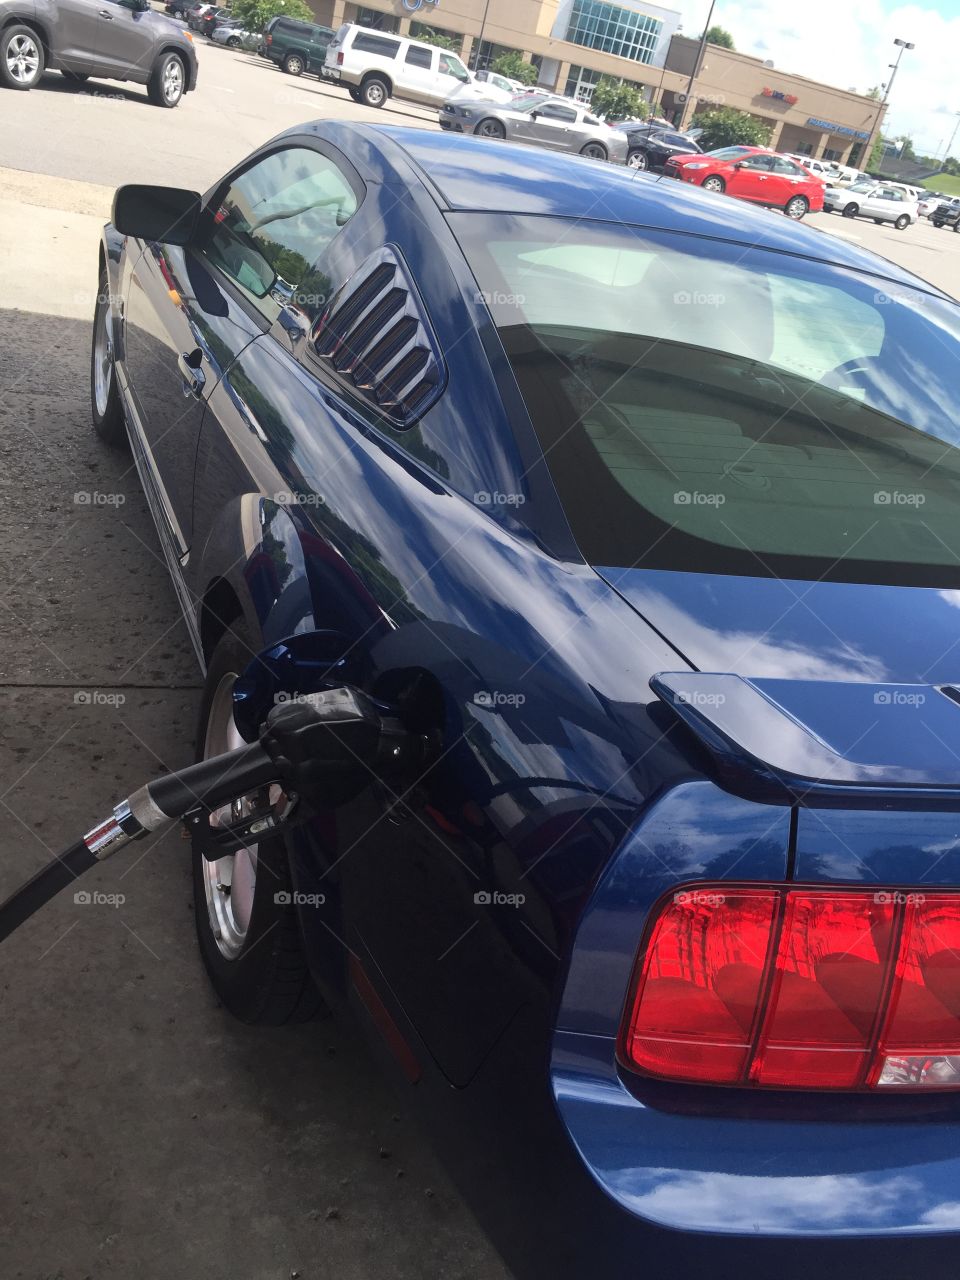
644 505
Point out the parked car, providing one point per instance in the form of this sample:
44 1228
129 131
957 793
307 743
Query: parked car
928 204
651 148
663 944
106 39
819 168
374 66
755 174
877 200
503 83
211 19
233 35
178 8
947 214
539 120
296 46
195 13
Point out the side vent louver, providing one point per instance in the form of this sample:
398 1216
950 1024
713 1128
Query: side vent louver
374 335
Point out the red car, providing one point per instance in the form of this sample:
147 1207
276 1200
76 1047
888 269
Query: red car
753 173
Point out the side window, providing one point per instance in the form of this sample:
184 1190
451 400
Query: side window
418 57
763 163
273 224
380 45
553 111
787 167
450 65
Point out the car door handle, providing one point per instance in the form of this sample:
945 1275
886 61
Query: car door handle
105 14
188 362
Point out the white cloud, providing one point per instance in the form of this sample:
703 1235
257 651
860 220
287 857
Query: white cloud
850 46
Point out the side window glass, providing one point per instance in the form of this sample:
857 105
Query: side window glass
275 221
450 65
417 57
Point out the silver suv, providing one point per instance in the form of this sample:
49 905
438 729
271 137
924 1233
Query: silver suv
113 39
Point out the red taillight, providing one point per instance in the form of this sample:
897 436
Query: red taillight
799 988
340 59
268 40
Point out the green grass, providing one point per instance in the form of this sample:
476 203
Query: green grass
948 183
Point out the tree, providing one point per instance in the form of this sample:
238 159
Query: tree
905 145
255 14
876 155
513 67
453 43
616 101
718 35
873 93
728 127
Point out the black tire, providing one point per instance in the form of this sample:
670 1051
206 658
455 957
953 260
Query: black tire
490 128
267 981
105 406
594 151
714 183
167 81
956 226
75 77
797 207
353 91
937 224
850 210
374 91
637 159
21 57
902 222
293 64
233 42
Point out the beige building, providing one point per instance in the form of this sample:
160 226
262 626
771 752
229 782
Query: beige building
572 43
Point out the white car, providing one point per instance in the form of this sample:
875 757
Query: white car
881 201
493 79
927 205
375 65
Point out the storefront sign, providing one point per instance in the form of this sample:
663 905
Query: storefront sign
413 5
847 132
780 97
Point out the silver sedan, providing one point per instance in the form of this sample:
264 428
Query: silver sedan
540 120
235 37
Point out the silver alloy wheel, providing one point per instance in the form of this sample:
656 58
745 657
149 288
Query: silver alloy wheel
172 80
796 207
637 160
375 94
228 883
102 355
294 66
713 184
490 129
23 59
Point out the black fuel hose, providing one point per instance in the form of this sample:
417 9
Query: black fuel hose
48 882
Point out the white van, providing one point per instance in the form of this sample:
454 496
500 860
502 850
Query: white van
376 65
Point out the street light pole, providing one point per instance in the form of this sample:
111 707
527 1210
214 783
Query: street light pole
483 23
904 44
953 135
696 66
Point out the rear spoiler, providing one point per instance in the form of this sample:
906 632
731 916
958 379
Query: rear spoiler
824 743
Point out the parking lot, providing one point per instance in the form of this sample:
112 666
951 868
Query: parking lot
146 1133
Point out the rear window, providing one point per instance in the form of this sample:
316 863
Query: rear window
706 406
381 45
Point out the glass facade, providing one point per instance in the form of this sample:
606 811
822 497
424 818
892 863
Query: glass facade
610 29
424 30
581 82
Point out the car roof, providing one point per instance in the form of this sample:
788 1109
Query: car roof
483 175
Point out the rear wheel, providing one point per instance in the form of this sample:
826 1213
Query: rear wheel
902 222
937 224
354 92
233 42
594 151
105 404
374 91
166 81
714 183
293 64
490 128
247 926
21 57
638 160
850 210
796 207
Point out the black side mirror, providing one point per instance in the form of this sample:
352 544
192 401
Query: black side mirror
166 214
738 165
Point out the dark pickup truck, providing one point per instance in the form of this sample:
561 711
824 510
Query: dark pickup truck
947 214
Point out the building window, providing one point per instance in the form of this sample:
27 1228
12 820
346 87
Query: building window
485 53
582 81
831 153
371 18
422 31
610 29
